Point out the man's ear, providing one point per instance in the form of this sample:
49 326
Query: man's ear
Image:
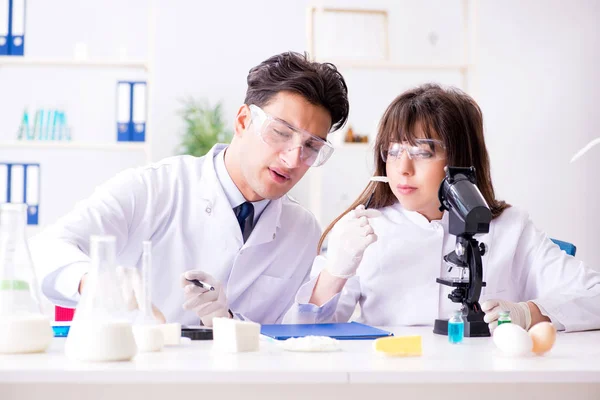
242 120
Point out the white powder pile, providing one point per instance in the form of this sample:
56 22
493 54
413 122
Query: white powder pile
311 344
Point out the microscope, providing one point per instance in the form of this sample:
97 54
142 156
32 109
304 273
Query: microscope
469 216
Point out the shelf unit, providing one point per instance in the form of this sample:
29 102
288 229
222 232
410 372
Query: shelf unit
30 65
75 63
464 68
144 65
78 148
10 61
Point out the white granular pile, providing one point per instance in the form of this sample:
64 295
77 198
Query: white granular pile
311 343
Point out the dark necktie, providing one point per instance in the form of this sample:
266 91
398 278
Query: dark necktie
245 216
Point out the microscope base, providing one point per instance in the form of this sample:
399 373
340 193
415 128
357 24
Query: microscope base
472 328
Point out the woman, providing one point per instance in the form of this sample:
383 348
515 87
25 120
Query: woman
387 258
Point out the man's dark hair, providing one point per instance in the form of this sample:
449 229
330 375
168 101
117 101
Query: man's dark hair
319 83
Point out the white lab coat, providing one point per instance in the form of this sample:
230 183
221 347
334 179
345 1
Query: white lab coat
181 207
396 284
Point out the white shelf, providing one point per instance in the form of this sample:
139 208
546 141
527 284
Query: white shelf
370 64
40 62
353 145
59 145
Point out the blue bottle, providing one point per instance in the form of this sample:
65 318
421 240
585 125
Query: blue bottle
456 328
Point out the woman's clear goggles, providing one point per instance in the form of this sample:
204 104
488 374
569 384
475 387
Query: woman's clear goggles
423 150
280 135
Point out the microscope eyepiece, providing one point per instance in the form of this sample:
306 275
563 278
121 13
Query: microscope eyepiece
458 193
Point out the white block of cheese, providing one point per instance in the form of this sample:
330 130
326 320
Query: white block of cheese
171 333
233 336
148 337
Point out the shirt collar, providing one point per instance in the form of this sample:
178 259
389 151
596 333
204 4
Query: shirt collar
418 219
233 194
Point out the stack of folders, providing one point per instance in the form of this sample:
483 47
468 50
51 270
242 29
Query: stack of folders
131 111
20 183
47 125
12 27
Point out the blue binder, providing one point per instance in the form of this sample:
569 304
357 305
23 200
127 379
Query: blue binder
138 112
340 331
16 28
4 31
32 193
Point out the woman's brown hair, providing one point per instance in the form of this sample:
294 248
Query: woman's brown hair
447 114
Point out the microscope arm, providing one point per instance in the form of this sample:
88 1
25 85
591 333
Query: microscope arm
475 272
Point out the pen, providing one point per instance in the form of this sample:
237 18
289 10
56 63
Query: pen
201 284
375 179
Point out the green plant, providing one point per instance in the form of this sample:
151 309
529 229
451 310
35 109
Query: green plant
204 126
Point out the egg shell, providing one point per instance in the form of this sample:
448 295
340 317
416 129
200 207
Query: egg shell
543 336
512 340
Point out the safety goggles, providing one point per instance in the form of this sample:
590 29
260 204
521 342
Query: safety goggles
423 151
280 135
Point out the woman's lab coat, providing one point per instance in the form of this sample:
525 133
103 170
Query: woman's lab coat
396 281
181 207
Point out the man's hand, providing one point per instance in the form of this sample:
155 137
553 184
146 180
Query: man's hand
207 304
131 288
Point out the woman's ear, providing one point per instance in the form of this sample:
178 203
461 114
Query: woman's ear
242 120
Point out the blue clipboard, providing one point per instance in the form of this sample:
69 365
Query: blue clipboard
340 331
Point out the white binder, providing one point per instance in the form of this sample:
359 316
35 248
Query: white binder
17 183
3 183
123 111
4 39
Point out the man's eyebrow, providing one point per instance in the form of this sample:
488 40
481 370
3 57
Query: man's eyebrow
313 136
287 123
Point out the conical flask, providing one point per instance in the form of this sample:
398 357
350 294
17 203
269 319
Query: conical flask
101 329
146 329
23 326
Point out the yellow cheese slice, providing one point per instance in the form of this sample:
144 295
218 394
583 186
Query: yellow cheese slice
402 346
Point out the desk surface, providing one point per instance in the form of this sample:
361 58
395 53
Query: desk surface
575 358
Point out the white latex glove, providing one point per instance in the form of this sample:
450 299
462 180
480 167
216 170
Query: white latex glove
207 304
519 313
349 239
131 288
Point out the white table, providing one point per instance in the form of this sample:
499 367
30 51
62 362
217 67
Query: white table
474 368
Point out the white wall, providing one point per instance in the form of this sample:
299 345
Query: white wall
539 88
536 81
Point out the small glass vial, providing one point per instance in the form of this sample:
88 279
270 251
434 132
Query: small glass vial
456 328
504 317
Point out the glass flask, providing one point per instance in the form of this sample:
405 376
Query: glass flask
147 332
23 326
101 329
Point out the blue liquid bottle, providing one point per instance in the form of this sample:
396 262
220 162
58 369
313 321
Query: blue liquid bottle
456 328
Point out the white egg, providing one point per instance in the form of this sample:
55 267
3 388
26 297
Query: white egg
513 340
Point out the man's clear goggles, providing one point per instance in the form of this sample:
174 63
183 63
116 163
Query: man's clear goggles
423 150
280 135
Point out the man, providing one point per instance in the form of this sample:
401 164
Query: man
223 219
